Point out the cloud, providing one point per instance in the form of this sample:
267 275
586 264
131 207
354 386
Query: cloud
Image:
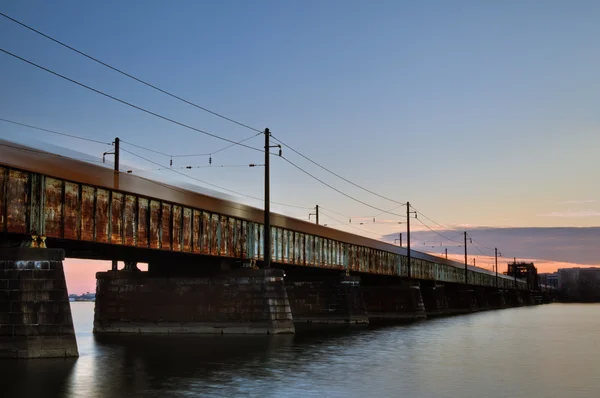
577 202
562 244
569 213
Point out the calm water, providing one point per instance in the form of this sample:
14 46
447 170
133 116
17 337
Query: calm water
544 351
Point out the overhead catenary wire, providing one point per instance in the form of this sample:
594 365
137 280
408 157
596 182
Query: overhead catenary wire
127 103
336 174
127 74
33 150
208 183
190 154
188 168
56 132
61 43
337 190
350 225
435 232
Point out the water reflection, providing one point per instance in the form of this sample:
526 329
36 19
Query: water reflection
544 351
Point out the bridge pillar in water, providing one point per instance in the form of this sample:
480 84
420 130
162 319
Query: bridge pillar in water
514 298
394 303
35 314
327 303
497 299
242 301
434 298
462 299
482 295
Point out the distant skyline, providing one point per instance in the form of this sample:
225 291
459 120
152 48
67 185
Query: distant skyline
479 114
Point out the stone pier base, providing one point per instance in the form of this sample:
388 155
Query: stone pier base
244 301
436 303
327 303
482 297
35 315
461 300
497 299
393 303
514 298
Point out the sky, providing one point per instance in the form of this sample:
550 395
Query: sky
481 114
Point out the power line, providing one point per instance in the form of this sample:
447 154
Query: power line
335 174
189 155
55 132
178 98
208 183
49 153
127 103
433 221
129 75
435 232
349 225
337 190
189 168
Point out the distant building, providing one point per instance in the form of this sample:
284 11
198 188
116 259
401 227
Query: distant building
579 284
549 279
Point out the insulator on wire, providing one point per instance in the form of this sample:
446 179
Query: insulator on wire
210 160
171 163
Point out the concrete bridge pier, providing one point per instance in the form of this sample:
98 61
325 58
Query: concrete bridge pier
482 295
514 298
35 315
331 302
241 301
434 298
461 299
497 299
528 298
394 303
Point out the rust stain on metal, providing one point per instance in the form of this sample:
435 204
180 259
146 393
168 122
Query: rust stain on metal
116 226
187 229
155 209
166 226
143 220
71 211
129 215
87 213
206 233
214 228
177 217
197 231
53 208
3 201
18 199
102 216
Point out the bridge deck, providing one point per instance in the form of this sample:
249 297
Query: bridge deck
68 199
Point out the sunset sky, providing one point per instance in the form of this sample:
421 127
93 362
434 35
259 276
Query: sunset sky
484 115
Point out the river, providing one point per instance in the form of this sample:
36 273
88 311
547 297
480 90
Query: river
541 351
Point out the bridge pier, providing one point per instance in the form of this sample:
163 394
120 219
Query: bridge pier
434 298
243 301
461 299
497 299
35 315
482 297
514 298
331 302
393 303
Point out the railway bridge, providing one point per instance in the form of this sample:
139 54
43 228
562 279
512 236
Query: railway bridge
204 258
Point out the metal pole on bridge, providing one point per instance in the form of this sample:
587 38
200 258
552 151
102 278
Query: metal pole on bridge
466 272
496 255
408 236
446 250
267 210
117 150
